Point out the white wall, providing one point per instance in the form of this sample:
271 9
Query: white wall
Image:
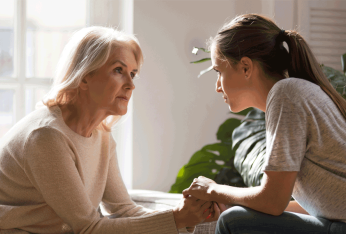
175 113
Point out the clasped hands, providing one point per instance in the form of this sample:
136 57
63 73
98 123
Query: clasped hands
197 205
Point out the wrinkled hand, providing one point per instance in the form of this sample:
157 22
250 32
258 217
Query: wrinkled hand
191 211
215 211
201 188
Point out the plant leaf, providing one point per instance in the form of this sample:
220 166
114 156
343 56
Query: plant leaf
255 114
250 138
225 152
337 79
244 112
201 60
205 71
343 63
249 169
196 49
247 129
187 174
205 162
224 133
246 154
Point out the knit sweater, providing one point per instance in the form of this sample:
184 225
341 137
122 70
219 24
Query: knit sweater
52 180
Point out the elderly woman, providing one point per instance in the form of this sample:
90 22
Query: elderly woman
58 164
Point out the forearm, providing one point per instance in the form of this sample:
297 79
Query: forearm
293 206
254 197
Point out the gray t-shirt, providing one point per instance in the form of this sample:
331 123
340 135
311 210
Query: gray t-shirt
307 133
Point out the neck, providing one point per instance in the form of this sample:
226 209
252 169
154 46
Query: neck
262 87
81 117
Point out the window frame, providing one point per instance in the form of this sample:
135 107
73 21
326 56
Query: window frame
19 82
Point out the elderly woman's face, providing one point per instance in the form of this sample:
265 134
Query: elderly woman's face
110 87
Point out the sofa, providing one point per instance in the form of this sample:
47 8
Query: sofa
163 201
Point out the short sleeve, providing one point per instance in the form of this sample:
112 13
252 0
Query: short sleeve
286 129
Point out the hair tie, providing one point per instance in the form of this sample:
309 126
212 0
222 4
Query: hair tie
281 36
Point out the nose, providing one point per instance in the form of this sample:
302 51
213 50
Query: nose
131 86
218 88
129 83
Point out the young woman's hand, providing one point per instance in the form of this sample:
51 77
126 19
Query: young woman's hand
201 188
191 211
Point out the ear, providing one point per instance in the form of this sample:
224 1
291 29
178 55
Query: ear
84 84
246 64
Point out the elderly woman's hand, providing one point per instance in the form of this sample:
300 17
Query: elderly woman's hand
202 188
191 211
215 211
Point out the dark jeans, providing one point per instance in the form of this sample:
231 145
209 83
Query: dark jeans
243 220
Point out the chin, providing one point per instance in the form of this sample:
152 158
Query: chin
236 109
119 112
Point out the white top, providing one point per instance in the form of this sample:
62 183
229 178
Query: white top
53 181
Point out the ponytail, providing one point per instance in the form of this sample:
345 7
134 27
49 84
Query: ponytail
305 66
259 38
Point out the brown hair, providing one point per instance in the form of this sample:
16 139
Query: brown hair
259 38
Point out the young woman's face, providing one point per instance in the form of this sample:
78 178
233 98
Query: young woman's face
231 82
110 87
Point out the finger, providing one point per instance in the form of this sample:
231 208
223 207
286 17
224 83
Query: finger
206 205
206 214
216 213
222 207
200 203
196 201
210 209
186 193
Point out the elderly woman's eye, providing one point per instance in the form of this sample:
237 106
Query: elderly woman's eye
118 69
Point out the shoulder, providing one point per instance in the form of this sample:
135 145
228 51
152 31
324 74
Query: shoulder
45 138
297 92
34 124
46 133
294 87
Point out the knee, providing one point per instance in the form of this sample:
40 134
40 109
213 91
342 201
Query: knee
231 218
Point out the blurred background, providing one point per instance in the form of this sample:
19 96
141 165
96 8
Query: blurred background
172 113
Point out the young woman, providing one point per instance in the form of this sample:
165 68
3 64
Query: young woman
59 163
306 132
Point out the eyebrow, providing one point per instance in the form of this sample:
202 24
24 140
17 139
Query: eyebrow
122 63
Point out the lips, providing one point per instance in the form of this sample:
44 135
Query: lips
123 98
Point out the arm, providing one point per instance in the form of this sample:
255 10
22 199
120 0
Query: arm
50 165
118 203
294 206
271 197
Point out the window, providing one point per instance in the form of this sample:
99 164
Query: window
32 36
322 25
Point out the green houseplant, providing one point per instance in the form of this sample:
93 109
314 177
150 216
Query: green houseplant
245 142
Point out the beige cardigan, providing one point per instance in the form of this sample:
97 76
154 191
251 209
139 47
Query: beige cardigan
52 180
